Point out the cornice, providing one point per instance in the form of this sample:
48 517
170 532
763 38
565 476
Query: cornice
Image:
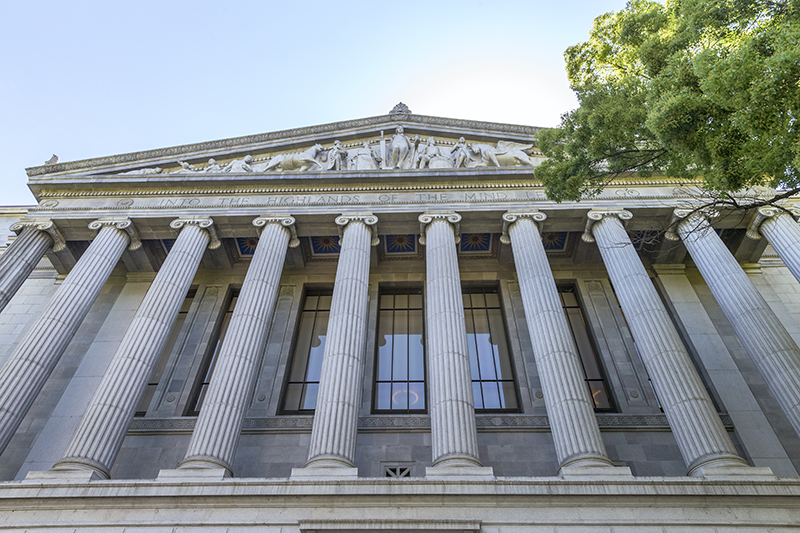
254 141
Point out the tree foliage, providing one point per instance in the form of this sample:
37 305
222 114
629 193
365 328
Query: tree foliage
694 89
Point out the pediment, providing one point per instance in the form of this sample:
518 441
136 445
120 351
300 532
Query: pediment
399 140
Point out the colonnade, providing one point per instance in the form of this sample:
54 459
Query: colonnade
701 437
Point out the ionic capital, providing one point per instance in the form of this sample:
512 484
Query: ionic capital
47 226
596 215
286 221
448 216
202 223
765 212
123 224
682 215
510 217
370 220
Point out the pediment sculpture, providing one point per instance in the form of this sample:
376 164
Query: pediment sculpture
400 152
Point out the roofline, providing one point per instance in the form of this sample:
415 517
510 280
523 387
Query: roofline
247 141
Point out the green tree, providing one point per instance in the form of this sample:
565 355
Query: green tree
694 89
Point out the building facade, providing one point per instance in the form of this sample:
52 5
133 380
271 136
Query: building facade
385 325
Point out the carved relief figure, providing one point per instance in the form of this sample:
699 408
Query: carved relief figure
186 168
431 156
213 166
398 149
460 153
337 156
364 158
239 165
505 154
156 170
301 161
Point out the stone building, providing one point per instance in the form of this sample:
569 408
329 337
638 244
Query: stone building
385 325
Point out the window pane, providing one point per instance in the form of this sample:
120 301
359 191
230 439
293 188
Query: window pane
325 302
584 345
310 398
304 336
569 299
311 303
293 393
599 395
400 352
317 346
492 374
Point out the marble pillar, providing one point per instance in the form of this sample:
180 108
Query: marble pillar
219 424
27 369
695 423
782 232
570 409
34 238
98 438
333 435
454 438
758 328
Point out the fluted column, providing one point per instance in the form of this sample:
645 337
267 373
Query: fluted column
333 435
695 423
758 328
34 238
219 424
454 439
782 232
100 433
569 406
27 369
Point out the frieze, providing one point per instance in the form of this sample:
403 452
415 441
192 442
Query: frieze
247 141
609 421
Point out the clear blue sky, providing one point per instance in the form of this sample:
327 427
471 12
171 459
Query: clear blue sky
86 79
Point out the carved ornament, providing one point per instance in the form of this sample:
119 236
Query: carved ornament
48 226
596 215
286 221
427 218
765 212
123 224
369 219
202 223
510 217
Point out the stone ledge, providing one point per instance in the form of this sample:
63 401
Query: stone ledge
313 474
457 473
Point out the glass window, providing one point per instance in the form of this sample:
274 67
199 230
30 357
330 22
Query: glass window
592 371
400 357
303 380
161 364
493 386
207 370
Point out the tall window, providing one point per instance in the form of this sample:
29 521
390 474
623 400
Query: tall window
207 370
592 370
161 364
303 381
490 362
400 364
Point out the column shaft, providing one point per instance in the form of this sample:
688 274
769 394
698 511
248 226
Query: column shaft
219 424
333 435
783 233
27 369
19 260
695 422
569 406
454 437
99 436
758 328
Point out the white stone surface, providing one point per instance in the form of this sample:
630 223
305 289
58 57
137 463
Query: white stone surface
19 260
219 424
758 328
694 420
25 372
98 438
569 407
333 437
453 431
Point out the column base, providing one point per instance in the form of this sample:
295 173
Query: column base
616 472
310 473
459 473
186 474
77 475
735 471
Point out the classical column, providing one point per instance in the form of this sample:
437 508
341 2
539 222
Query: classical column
27 369
782 232
695 423
570 409
454 439
758 328
333 435
34 238
219 424
99 436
